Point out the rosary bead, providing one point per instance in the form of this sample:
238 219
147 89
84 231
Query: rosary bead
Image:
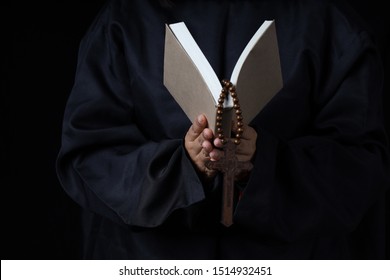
228 87
227 83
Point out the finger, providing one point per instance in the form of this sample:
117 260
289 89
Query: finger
197 127
208 134
248 132
205 155
218 143
193 140
246 150
216 154
207 146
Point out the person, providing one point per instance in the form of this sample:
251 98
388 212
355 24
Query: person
137 166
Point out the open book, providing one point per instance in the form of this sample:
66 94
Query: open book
196 88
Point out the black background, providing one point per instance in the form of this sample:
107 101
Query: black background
39 52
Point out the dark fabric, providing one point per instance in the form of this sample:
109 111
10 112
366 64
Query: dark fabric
321 165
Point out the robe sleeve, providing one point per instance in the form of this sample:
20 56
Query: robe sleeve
106 163
324 180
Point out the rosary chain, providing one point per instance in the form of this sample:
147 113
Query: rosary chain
228 87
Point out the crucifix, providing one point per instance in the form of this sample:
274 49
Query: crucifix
230 167
229 164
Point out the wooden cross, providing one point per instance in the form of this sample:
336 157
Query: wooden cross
230 167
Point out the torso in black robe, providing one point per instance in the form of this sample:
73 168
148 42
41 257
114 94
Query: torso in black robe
320 167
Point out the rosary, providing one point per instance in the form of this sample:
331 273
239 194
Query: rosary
229 164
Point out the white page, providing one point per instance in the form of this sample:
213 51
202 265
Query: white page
247 50
187 41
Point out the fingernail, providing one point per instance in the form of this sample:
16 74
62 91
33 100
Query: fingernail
200 119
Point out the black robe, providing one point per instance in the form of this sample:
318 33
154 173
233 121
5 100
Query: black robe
321 163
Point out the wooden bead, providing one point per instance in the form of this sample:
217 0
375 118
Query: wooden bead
228 87
227 83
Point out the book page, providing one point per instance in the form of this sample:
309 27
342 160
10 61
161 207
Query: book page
185 83
258 75
187 41
248 48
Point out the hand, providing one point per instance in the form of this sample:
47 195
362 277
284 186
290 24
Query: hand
247 147
199 145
